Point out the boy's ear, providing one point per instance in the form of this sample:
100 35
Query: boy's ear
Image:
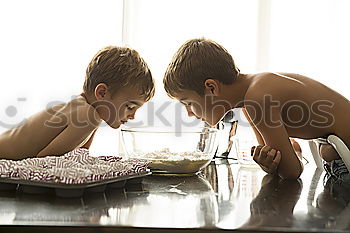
100 91
212 86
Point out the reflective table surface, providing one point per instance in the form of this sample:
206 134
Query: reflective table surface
225 196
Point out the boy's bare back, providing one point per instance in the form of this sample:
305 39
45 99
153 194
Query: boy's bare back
53 131
307 108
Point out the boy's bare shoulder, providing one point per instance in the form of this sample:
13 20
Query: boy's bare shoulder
278 86
259 86
82 112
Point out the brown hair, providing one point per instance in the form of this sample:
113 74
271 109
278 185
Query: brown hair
194 62
119 67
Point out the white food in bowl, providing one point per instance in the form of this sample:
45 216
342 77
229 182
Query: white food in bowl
176 162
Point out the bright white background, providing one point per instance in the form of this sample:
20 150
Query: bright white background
46 45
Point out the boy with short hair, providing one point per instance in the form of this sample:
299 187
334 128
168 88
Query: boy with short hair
117 83
203 76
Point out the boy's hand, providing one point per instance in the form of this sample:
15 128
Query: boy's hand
267 158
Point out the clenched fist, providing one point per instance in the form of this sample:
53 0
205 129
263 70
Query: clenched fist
267 157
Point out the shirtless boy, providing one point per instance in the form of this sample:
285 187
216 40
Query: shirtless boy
117 83
279 106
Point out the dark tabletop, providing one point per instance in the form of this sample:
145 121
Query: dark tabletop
224 196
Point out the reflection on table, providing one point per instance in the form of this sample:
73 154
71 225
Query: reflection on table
224 196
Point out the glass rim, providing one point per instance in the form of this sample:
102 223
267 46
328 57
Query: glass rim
167 130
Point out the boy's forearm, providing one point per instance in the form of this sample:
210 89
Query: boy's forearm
286 172
89 142
289 171
258 136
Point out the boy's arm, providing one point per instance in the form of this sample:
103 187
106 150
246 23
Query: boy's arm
272 166
88 143
258 136
266 157
274 134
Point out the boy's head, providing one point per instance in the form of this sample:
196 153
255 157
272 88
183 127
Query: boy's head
119 81
196 68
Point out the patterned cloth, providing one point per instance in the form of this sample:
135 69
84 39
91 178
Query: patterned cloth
75 167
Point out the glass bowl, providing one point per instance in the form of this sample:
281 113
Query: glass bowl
173 152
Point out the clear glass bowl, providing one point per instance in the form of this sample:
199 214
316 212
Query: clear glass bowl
173 152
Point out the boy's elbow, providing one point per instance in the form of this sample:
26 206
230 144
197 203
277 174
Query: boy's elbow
292 172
